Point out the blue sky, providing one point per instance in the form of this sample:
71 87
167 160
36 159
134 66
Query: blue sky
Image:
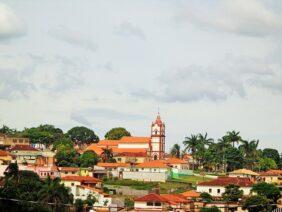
211 66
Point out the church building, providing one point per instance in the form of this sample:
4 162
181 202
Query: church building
136 149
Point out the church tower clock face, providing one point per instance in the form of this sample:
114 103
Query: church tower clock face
157 139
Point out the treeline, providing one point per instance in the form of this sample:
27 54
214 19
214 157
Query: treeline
66 145
230 152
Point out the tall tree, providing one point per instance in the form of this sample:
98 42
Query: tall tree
271 153
257 203
270 191
107 155
190 144
88 159
82 135
234 159
204 139
116 133
250 152
175 151
233 137
232 193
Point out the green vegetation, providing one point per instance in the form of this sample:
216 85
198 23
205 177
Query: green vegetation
232 193
266 164
257 203
270 191
211 209
206 197
27 186
116 133
82 135
175 151
87 159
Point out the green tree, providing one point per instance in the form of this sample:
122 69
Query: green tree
270 191
204 139
55 192
175 151
206 197
234 159
250 152
265 164
62 141
79 205
116 133
87 159
8 131
107 155
82 135
90 200
233 137
232 193
271 153
211 209
257 203
66 155
190 144
44 134
128 203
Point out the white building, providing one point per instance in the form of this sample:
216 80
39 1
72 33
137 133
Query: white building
216 187
150 171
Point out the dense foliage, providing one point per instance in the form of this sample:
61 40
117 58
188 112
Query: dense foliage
270 191
232 193
82 135
27 186
116 133
257 203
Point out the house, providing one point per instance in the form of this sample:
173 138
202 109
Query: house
24 154
110 169
216 187
42 171
46 158
69 171
82 186
191 194
271 176
244 173
163 202
152 171
7 141
131 157
153 146
5 157
179 167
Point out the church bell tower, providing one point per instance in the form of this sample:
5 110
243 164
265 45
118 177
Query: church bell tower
157 139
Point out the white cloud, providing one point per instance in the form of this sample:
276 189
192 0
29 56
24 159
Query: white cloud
128 29
250 17
73 37
10 24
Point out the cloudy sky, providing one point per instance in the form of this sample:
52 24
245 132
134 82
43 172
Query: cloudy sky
211 66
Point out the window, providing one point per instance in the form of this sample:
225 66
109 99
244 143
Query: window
210 190
218 191
119 159
66 172
72 184
73 172
158 204
155 170
150 204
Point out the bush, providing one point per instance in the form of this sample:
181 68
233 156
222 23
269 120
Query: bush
212 209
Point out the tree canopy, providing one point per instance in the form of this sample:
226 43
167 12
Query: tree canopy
82 135
116 133
272 154
270 191
232 193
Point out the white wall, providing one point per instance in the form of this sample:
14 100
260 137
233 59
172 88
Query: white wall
217 191
146 176
143 205
133 145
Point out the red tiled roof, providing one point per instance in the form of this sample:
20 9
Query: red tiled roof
151 198
113 165
176 161
153 164
69 169
271 172
131 139
132 154
175 198
95 148
85 179
23 148
4 153
191 193
225 181
109 143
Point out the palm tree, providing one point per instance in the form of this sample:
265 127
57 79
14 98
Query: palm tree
250 152
204 139
175 151
233 137
54 192
222 144
190 144
107 154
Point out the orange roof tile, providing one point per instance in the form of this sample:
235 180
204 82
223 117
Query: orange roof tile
4 153
69 169
175 198
95 148
23 148
191 194
85 179
151 197
225 181
131 139
108 143
271 172
153 164
176 161
114 165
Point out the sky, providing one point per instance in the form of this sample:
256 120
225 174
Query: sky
209 66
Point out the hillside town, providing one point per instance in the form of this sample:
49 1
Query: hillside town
44 169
